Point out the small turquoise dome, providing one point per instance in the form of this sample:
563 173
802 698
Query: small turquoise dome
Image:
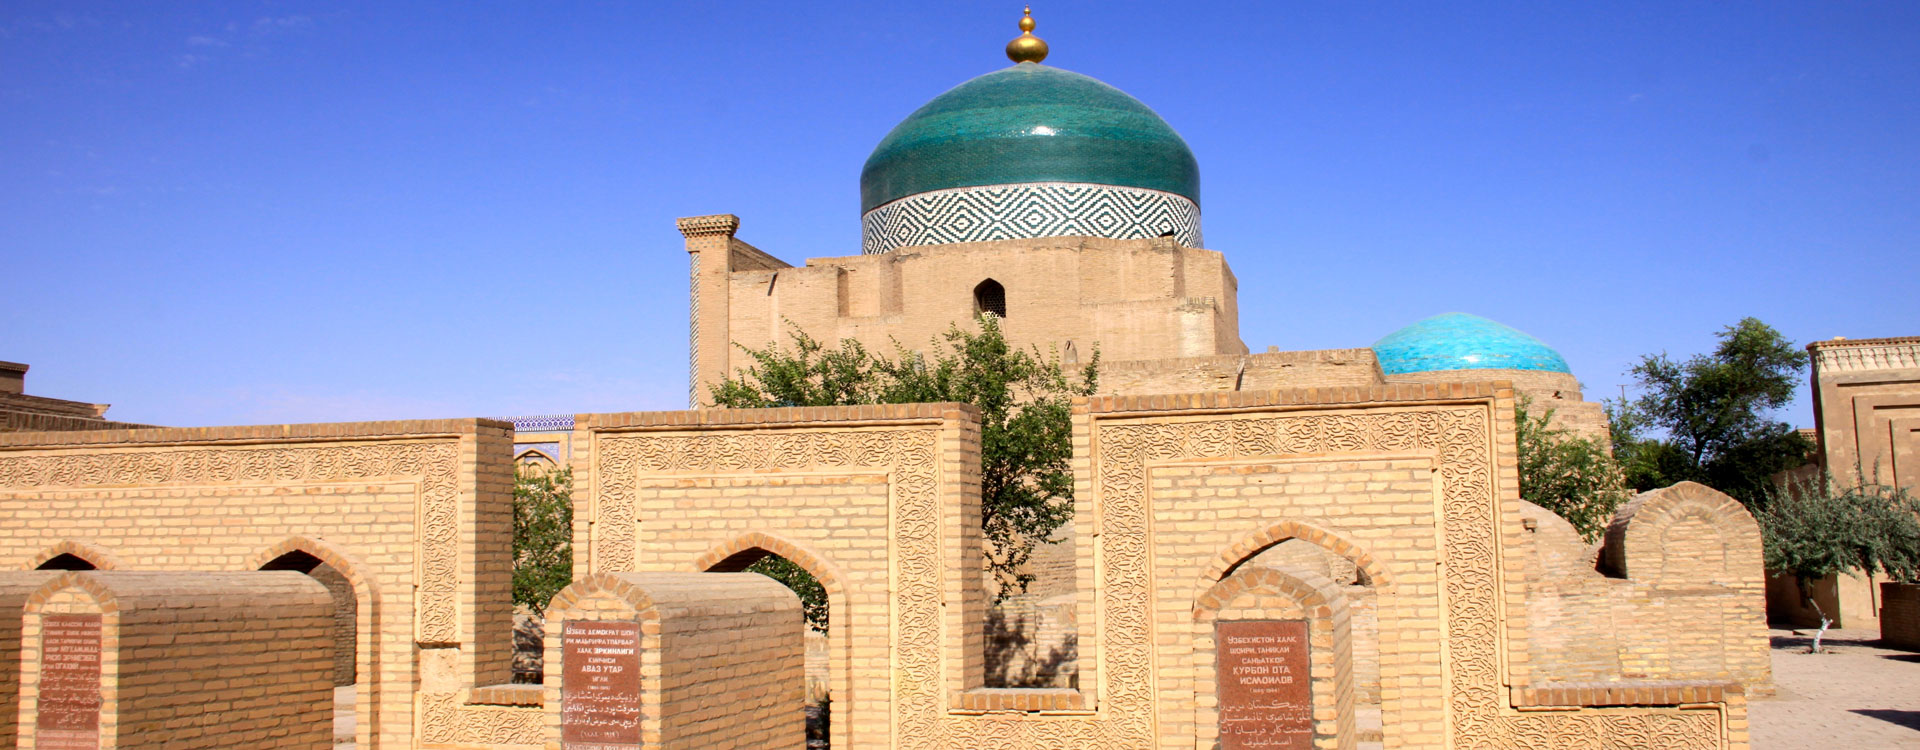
1025 124
1458 341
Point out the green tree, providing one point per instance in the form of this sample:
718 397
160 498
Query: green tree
1817 528
1571 476
1712 412
1024 398
813 596
542 535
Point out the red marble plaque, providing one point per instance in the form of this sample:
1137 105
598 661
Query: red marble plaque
600 685
69 710
1266 701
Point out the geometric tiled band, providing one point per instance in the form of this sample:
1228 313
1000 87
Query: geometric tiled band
1038 209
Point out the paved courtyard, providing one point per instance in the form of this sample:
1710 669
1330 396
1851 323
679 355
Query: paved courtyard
1861 697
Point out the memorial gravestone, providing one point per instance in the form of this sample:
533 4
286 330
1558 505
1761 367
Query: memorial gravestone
69 716
184 661
675 660
1265 701
600 685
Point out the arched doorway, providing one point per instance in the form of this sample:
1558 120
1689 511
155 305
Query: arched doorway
346 635
816 604
1362 603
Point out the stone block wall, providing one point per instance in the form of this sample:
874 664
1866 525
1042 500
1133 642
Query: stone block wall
721 658
185 661
1900 616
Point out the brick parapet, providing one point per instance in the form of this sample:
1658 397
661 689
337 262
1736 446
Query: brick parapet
1343 395
1625 693
23 421
775 418
256 433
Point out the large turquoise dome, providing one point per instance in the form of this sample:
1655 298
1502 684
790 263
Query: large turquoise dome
1029 123
1458 341
1126 173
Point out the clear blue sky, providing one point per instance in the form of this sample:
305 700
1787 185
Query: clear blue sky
218 213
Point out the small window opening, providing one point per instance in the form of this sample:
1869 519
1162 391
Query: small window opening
990 298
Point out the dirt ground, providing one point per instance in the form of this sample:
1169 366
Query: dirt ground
1859 697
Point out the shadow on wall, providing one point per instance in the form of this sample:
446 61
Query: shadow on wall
1015 660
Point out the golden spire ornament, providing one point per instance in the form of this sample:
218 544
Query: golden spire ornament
1026 48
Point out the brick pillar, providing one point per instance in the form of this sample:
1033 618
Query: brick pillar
709 243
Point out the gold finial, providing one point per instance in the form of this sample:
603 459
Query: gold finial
1027 48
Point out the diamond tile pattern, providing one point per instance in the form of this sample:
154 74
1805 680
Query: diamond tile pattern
1009 212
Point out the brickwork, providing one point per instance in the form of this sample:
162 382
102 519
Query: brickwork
1867 403
1413 485
1282 593
1240 372
20 412
15 587
716 489
1134 299
415 515
1687 603
1900 616
721 656
194 661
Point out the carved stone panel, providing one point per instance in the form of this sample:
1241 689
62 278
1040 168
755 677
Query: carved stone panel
600 685
1265 700
69 712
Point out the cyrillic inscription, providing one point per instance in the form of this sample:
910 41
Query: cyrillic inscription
69 711
1266 701
600 685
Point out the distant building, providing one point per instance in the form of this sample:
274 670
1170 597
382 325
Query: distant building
20 412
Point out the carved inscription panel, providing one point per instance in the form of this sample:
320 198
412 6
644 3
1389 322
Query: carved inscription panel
600 685
69 716
1265 698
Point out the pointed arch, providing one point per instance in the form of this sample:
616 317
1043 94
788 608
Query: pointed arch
739 552
366 598
736 554
990 298
1252 545
95 557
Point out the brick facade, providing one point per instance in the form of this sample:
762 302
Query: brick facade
721 656
192 661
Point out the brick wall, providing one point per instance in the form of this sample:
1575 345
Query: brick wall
1900 615
1134 299
721 656
196 661
15 587
718 489
1686 600
416 515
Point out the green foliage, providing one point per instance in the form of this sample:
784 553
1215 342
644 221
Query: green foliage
1817 528
542 535
813 596
1713 411
1571 476
1024 398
